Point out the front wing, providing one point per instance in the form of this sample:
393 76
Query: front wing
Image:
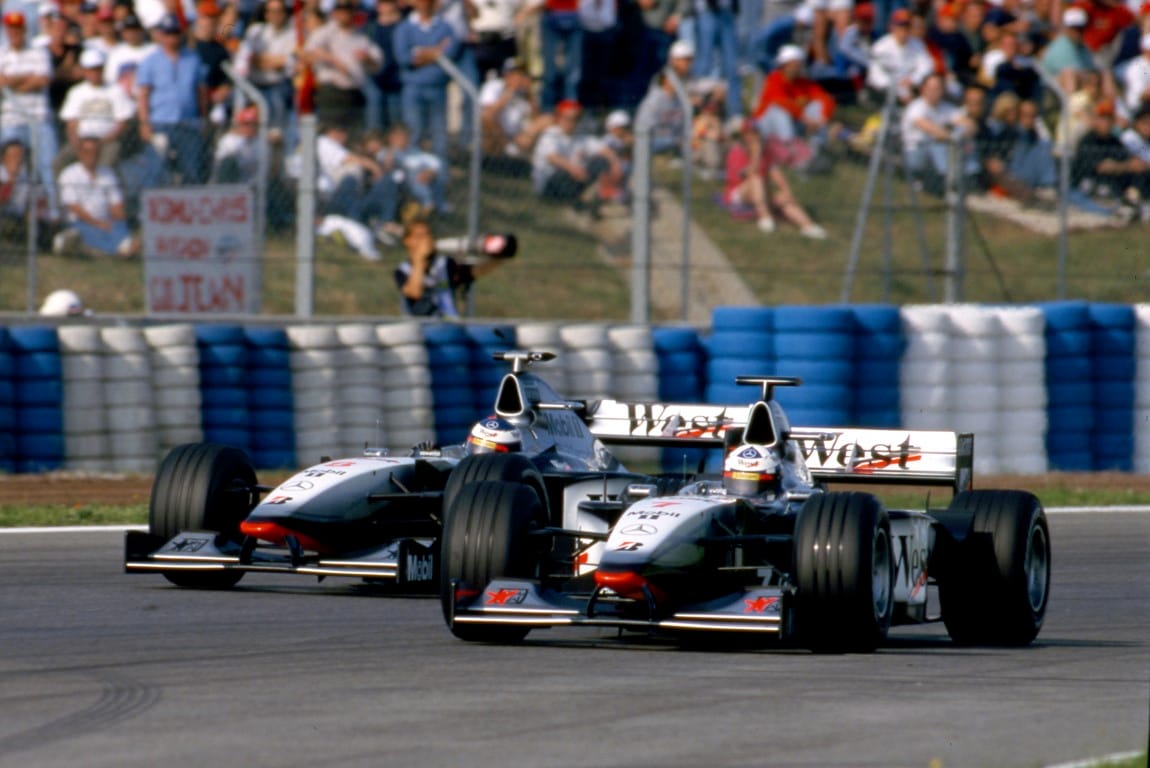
520 602
407 562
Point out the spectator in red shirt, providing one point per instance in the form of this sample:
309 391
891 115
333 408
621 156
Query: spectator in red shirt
792 105
1106 20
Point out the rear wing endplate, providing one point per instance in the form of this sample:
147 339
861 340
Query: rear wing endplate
832 454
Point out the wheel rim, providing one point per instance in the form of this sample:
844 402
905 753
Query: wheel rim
1037 568
880 573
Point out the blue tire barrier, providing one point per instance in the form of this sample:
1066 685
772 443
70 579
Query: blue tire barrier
261 379
212 335
34 338
38 365
223 356
1113 422
1064 315
273 458
840 372
256 337
811 345
759 319
223 397
723 370
877 319
39 392
233 436
822 319
267 398
739 344
269 358
40 420
1072 420
1068 343
669 340
40 446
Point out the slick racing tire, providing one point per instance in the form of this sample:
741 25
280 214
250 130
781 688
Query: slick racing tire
844 572
995 582
487 536
485 467
202 487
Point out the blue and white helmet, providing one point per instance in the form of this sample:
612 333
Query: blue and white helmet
494 435
751 470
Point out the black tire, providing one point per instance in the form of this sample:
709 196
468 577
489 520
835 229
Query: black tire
202 487
997 579
844 573
488 467
485 537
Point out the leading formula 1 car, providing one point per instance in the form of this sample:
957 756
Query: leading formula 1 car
768 549
375 517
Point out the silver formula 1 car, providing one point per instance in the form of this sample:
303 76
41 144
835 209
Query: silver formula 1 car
768 548
374 517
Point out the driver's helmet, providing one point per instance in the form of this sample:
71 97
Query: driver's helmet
494 435
751 470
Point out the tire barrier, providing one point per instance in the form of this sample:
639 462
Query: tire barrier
38 399
1113 350
1069 386
87 445
1062 386
179 404
223 385
7 403
1141 421
271 408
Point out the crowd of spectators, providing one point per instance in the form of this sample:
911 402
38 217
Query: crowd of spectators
122 95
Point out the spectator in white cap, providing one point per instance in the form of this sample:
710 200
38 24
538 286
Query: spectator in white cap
94 203
702 91
95 108
63 303
1137 77
791 106
1067 56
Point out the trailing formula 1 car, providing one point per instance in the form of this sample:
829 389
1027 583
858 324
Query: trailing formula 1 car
767 549
374 517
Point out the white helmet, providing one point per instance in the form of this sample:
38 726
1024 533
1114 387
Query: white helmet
751 470
62 303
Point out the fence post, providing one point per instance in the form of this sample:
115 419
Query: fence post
641 225
1063 174
878 155
688 169
262 173
955 205
305 219
32 216
472 93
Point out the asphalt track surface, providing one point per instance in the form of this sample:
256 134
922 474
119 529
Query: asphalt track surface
101 668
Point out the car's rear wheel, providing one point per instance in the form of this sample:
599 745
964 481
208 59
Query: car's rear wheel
844 573
997 582
202 487
486 536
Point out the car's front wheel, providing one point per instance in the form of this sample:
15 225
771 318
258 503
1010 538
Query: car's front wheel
844 573
486 536
202 487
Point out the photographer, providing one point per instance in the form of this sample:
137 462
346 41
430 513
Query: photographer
428 279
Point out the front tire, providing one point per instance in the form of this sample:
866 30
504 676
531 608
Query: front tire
997 583
486 536
202 487
844 573
486 467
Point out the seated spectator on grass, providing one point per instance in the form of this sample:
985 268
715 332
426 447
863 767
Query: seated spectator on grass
1032 161
91 196
756 187
618 139
1137 78
236 157
352 184
420 175
1066 57
661 110
930 125
898 60
1103 167
791 106
1013 72
511 118
565 166
851 51
994 140
956 48
785 29
1086 95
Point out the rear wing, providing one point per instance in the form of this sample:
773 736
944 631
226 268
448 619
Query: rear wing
832 454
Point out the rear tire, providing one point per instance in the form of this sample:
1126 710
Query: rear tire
202 487
997 581
486 537
844 572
